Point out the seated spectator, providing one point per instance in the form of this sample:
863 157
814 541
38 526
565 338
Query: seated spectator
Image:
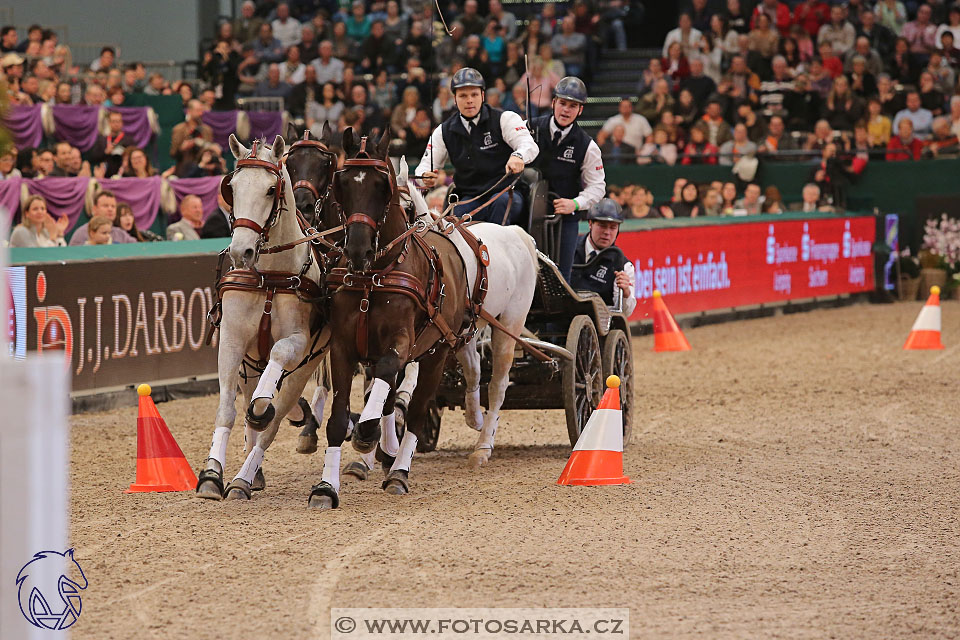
952 25
126 222
891 102
328 68
273 86
659 150
776 142
473 23
822 135
802 104
247 26
189 138
100 229
712 202
344 48
570 47
653 104
728 199
8 40
943 142
879 127
516 102
740 84
698 150
109 149
838 33
650 75
494 44
842 108
266 47
756 126
377 51
858 152
105 61
739 146
892 14
920 118
309 45
104 205
62 169
873 63
931 98
550 64
921 33
685 35
715 128
773 92
136 164
751 203
810 200
904 145
676 134
45 164
777 12
763 39
686 111
636 127
831 176
698 84
157 85
819 79
404 113
639 204
417 133
285 28
901 64
539 77
862 82
675 65
191 222
38 228
307 92
514 66
8 162
292 70
689 205
210 163
64 94
950 54
217 224
942 72
811 15
772 200
616 151
832 64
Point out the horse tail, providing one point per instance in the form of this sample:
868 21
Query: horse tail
531 245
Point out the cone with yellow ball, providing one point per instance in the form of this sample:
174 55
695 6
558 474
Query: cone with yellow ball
161 465
925 333
666 334
598 457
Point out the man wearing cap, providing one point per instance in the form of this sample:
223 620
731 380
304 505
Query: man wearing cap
600 265
570 160
483 144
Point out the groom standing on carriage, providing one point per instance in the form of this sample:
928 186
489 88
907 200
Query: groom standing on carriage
485 146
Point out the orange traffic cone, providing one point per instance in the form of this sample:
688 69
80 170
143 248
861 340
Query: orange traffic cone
925 333
666 334
160 463
598 456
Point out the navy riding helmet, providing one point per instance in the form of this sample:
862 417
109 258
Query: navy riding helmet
571 88
467 77
606 211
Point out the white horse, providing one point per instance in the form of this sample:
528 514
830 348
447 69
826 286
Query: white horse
261 211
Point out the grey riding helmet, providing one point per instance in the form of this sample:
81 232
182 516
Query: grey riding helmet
467 77
606 211
571 88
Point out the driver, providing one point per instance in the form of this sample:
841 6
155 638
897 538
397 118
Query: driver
482 143
600 264
570 160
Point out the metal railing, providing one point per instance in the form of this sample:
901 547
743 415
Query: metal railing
260 104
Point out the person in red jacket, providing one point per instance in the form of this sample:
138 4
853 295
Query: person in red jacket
699 150
811 15
904 146
779 14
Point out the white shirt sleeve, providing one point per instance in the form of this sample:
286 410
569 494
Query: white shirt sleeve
435 155
629 299
593 177
516 134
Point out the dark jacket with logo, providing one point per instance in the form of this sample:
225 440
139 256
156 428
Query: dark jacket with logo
479 157
599 273
561 164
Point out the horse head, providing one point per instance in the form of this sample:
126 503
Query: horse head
366 189
311 166
258 190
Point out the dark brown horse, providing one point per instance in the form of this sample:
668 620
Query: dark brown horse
400 294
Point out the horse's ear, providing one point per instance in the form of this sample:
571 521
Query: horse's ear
238 150
292 132
326 135
279 147
384 145
350 145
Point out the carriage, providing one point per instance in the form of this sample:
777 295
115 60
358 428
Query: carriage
586 339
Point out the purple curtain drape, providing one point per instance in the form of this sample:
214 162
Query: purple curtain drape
142 194
136 124
77 124
10 196
223 124
265 124
25 124
207 188
63 195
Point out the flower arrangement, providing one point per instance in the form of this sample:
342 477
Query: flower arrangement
942 239
909 265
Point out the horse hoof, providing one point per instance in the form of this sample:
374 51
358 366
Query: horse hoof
356 470
307 443
259 482
363 442
397 483
210 485
323 496
479 458
238 490
259 423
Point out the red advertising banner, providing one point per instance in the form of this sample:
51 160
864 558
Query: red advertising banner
698 268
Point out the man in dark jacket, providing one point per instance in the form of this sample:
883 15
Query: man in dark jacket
600 265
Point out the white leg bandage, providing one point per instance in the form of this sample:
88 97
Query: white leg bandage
410 374
267 385
319 400
373 410
251 464
218 449
369 459
388 435
405 456
331 467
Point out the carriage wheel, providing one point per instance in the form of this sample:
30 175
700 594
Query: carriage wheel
582 382
618 361
432 433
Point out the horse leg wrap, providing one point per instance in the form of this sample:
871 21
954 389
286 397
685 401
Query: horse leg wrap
405 456
251 464
319 400
369 459
331 467
388 435
410 374
218 448
373 410
268 381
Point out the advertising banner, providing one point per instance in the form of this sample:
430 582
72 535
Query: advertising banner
699 268
118 322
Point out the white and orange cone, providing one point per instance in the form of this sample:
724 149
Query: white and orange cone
925 333
666 334
598 457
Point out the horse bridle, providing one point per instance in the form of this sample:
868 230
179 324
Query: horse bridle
307 143
277 208
364 159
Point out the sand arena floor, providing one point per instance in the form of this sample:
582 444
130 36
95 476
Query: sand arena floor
796 476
